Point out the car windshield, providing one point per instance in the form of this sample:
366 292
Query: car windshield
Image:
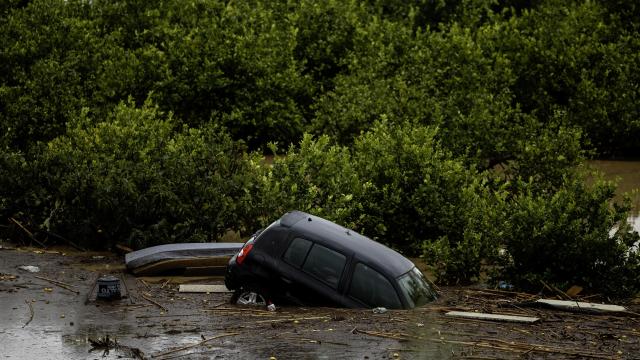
416 288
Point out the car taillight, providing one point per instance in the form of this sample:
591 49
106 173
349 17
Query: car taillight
243 253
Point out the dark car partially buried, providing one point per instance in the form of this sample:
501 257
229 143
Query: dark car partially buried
307 260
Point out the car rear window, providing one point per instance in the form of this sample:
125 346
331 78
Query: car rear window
297 252
372 288
325 264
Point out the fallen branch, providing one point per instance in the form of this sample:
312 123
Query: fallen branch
154 303
29 233
58 283
30 312
192 346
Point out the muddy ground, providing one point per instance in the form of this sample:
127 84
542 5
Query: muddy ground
41 319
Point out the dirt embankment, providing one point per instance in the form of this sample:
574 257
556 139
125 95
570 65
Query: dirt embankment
53 314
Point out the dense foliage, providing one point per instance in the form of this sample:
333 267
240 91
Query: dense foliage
454 129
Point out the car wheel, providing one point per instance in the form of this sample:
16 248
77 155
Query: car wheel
249 297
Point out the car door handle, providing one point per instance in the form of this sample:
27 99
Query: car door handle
285 280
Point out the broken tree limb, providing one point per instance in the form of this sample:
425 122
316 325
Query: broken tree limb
58 283
192 346
30 312
493 317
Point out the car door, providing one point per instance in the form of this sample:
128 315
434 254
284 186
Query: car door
313 272
370 288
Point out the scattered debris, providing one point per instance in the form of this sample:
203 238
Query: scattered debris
29 268
493 317
379 310
189 288
503 285
271 307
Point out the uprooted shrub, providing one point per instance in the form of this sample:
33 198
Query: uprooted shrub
135 179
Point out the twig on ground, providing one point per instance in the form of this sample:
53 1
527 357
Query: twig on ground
30 312
145 284
154 303
58 283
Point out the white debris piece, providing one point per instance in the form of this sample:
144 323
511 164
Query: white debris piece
579 305
29 268
493 317
193 288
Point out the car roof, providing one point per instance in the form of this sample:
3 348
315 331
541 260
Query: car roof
369 251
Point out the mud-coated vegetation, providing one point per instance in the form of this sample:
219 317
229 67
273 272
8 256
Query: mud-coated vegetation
456 130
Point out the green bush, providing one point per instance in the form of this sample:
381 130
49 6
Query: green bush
567 237
396 185
134 178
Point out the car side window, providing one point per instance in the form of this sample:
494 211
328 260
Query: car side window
372 288
297 252
325 264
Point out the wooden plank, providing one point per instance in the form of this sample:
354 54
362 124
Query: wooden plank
581 306
493 317
196 288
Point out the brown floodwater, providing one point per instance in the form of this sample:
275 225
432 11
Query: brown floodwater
627 176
